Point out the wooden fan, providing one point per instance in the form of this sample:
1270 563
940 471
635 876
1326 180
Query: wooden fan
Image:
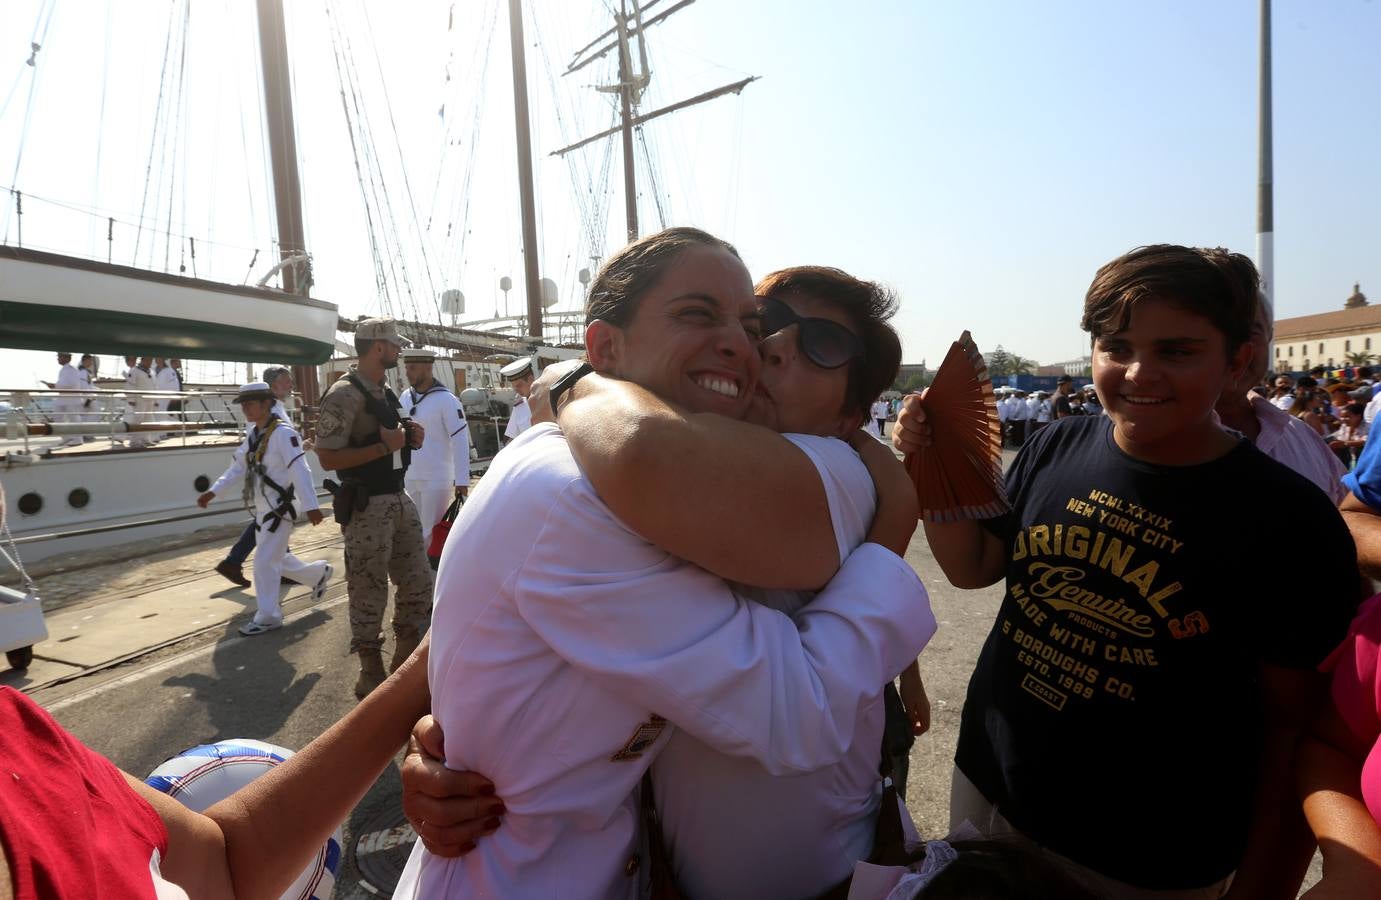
960 475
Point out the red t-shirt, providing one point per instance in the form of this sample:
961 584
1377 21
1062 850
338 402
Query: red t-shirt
1357 693
70 824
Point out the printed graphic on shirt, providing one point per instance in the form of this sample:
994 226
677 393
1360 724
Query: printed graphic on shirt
1094 603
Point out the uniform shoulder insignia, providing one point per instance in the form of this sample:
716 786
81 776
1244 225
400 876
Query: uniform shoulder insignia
294 440
331 422
643 737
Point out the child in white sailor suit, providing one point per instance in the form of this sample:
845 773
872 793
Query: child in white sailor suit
273 462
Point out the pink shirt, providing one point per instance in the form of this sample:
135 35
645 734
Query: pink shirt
1288 440
1357 693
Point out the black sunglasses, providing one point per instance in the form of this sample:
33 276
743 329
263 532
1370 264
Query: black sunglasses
827 344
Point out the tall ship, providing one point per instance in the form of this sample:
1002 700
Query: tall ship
109 464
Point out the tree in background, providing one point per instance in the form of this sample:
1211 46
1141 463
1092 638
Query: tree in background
999 362
1359 358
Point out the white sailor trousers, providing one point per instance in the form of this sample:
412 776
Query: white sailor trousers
273 562
431 497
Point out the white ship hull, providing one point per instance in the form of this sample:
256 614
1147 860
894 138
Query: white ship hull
80 499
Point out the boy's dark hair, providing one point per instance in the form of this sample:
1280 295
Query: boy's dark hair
1001 869
1364 372
634 270
1305 381
1356 409
1215 283
868 305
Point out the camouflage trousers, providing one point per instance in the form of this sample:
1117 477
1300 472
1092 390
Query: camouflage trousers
383 541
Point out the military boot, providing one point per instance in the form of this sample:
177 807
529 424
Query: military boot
404 645
371 672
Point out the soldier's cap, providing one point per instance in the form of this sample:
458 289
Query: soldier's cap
254 390
517 369
385 329
419 355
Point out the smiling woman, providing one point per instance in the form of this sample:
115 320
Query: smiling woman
686 293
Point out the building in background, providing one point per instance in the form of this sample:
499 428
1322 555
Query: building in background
1350 336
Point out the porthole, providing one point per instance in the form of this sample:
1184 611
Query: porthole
202 484
30 504
78 498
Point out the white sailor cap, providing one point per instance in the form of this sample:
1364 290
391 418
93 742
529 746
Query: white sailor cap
419 355
517 369
254 390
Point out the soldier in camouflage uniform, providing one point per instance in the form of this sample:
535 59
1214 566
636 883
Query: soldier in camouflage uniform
361 437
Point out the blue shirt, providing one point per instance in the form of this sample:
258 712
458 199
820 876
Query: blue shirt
1365 479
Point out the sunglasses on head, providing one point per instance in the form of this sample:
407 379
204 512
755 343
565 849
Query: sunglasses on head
827 344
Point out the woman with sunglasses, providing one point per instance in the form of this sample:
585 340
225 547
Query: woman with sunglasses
694 484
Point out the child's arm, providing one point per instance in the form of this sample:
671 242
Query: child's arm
1279 845
1329 770
733 498
969 554
914 698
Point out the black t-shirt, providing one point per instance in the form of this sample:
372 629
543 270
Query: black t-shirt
1114 714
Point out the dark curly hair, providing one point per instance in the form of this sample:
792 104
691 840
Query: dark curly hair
868 305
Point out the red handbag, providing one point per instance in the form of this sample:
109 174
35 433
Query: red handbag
441 530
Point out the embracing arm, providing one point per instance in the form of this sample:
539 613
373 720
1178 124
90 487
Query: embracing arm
257 840
743 678
736 499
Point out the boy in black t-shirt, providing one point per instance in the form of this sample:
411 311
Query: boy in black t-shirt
1135 709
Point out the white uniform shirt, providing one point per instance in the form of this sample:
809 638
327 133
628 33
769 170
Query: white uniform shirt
519 420
167 379
735 831
1285 402
69 379
1373 406
880 409
445 453
1020 411
137 379
1043 410
1004 410
284 461
558 633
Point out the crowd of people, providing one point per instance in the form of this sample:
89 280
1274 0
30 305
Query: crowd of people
669 619
144 376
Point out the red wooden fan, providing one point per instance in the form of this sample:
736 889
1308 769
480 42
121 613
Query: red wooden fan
960 475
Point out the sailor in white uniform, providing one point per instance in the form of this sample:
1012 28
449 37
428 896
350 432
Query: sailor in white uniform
273 466
440 471
68 409
519 374
138 377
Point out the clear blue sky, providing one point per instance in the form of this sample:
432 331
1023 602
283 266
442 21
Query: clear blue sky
983 158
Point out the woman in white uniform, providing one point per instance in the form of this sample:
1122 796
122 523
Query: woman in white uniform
827 349
590 643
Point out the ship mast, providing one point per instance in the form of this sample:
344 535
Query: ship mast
287 187
530 274
1265 212
630 87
